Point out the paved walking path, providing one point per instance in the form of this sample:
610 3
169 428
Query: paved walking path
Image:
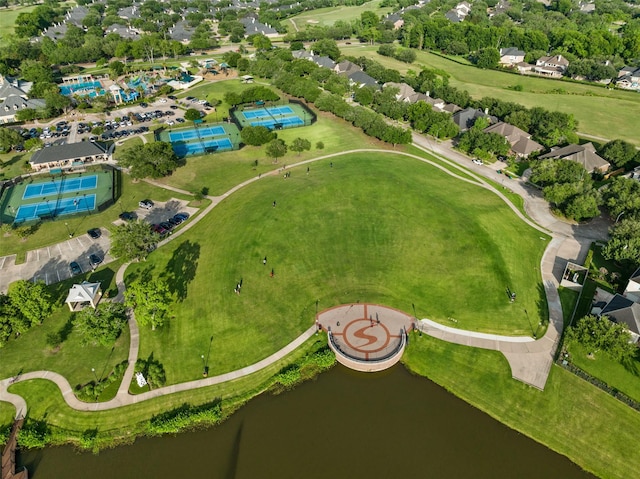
530 360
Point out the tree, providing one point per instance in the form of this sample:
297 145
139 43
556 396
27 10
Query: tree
319 145
150 301
602 334
261 42
102 325
8 139
116 68
276 149
153 160
326 47
618 152
622 195
299 145
487 58
192 114
624 244
32 300
133 240
256 135
9 319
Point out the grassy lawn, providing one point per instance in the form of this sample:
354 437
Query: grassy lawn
570 416
51 232
591 105
616 375
8 19
127 145
221 171
375 227
328 16
45 400
71 359
568 298
12 164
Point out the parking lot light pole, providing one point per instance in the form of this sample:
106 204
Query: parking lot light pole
68 230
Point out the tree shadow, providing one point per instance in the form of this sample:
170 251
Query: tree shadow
143 275
181 268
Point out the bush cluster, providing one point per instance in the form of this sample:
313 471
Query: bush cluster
92 391
185 416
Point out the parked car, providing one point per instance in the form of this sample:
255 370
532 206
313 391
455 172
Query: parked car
182 216
477 161
146 204
127 216
171 97
167 225
75 268
94 233
95 260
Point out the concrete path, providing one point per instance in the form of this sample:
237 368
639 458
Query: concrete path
530 360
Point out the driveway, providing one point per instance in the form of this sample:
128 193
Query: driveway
51 263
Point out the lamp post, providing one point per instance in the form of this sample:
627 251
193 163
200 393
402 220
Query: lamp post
68 230
93 370
205 373
619 216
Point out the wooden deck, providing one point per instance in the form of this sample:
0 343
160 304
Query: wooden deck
9 455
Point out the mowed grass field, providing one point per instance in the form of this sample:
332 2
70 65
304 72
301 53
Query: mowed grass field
220 172
8 19
600 112
328 16
375 227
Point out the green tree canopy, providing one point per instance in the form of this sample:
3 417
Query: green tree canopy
150 300
601 334
32 300
102 325
622 195
618 152
153 160
256 135
624 244
299 145
276 149
192 114
133 241
8 139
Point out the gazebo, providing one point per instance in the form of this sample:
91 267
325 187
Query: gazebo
83 293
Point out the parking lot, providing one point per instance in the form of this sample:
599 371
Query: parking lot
51 264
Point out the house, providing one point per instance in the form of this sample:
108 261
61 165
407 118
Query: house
501 7
346 68
395 19
584 154
129 13
82 294
70 155
181 32
323 62
554 66
511 56
405 92
459 12
622 310
360 79
629 78
13 99
587 7
76 15
55 31
467 117
125 32
253 27
521 143
632 291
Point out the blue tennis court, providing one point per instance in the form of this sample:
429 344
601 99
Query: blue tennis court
184 149
284 122
60 186
265 112
192 134
65 206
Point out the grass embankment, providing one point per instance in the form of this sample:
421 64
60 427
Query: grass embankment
570 416
124 424
219 172
374 227
12 164
593 106
328 16
52 232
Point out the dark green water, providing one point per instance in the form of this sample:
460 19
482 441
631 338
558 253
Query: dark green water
343 425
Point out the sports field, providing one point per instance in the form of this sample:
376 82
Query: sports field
49 196
274 117
373 227
198 140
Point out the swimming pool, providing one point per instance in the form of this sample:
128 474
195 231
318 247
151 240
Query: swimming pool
84 88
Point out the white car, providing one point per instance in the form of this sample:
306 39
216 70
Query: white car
163 100
477 161
170 122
